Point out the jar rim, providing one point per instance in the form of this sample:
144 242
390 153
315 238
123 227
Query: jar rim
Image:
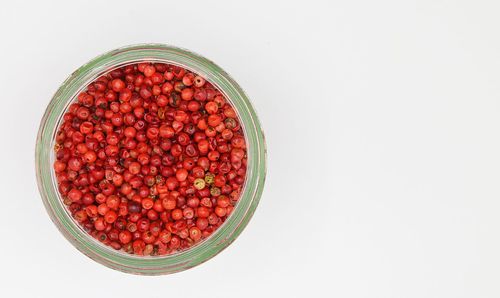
250 194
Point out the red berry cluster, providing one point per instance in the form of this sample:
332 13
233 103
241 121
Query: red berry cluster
151 159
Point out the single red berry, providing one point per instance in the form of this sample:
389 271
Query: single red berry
211 107
110 216
195 233
117 85
149 70
147 203
177 214
125 237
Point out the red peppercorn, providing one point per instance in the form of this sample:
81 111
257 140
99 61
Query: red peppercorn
81 216
75 164
165 236
199 81
187 94
220 211
202 223
211 107
195 233
149 70
138 247
203 212
148 237
176 214
169 203
117 85
110 216
181 174
134 168
99 224
175 242
147 203
125 237
75 195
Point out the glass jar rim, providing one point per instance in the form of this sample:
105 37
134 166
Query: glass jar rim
224 235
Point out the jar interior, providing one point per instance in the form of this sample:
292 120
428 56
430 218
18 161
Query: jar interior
74 99
250 193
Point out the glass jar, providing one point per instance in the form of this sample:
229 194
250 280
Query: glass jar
150 265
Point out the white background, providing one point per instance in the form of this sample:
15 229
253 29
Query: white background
382 125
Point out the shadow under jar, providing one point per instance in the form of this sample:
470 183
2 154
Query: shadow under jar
174 261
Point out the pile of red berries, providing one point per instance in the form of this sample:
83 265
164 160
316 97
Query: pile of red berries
151 159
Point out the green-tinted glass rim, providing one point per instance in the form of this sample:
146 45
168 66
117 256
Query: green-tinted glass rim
222 237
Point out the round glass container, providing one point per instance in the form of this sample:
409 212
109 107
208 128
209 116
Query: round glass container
150 265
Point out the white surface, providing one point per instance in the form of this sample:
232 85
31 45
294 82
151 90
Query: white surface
382 125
